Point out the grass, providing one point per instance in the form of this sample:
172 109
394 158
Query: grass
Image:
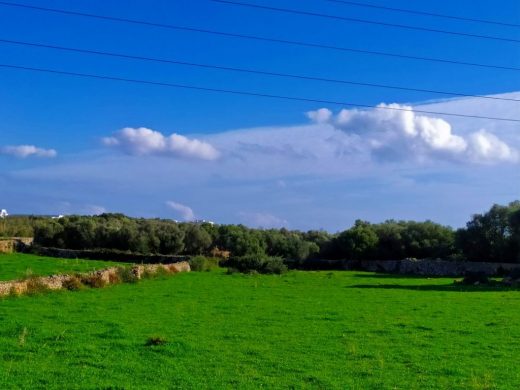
302 330
17 265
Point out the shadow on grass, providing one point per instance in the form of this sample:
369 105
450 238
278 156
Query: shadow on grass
495 287
396 276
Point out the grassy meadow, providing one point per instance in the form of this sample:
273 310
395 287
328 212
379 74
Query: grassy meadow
302 330
18 265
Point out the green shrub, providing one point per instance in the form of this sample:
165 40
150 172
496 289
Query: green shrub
257 263
232 271
126 275
202 263
274 265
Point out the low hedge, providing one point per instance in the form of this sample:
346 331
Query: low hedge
257 263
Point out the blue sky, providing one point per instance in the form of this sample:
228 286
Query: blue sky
258 161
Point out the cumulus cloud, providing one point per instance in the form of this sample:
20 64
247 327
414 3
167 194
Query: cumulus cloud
185 212
322 115
395 132
24 151
486 146
143 141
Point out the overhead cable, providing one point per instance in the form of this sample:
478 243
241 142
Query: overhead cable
250 93
247 70
258 38
424 13
365 21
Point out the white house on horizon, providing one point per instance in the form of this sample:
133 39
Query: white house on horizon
203 221
3 213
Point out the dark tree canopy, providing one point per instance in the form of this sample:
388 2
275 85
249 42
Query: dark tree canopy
492 236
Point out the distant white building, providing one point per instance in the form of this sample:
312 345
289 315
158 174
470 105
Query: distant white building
202 221
3 213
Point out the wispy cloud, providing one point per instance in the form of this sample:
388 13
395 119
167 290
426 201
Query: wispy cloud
185 212
92 209
262 220
143 141
24 151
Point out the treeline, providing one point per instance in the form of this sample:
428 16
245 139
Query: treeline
493 236
18 226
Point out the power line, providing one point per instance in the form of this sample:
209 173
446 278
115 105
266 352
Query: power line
424 13
246 70
365 21
247 93
258 38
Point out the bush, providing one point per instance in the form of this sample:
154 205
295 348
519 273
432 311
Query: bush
94 281
475 278
201 263
126 275
274 265
73 284
257 263
232 271
35 286
155 341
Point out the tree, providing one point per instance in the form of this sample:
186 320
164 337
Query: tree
196 239
359 242
171 238
240 241
492 236
391 245
49 233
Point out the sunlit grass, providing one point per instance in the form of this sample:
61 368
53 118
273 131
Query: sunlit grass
329 330
17 265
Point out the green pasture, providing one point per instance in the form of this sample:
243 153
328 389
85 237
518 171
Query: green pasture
302 330
17 266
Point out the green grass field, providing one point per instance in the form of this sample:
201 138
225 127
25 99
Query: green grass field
315 330
17 265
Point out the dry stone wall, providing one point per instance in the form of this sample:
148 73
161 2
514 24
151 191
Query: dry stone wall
102 277
11 244
107 254
6 246
431 267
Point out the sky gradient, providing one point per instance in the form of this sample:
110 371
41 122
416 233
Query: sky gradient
72 145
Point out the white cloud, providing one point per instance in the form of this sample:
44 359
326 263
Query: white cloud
24 151
484 146
396 132
143 141
262 220
313 175
321 115
184 211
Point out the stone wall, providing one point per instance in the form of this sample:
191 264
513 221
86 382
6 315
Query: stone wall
111 255
430 267
103 277
11 244
6 245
